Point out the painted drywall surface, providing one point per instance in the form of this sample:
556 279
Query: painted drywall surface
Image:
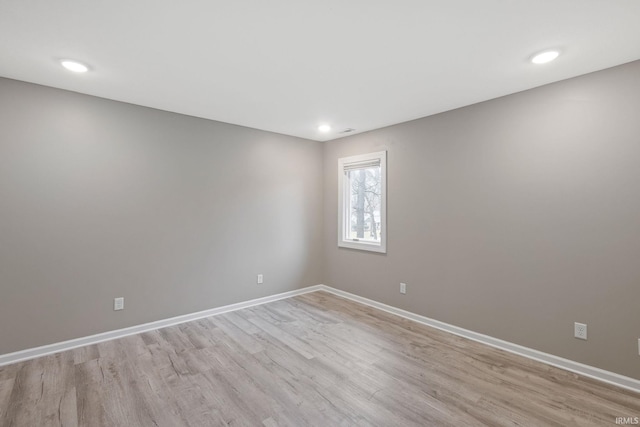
100 199
514 218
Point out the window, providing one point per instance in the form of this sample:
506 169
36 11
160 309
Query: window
362 202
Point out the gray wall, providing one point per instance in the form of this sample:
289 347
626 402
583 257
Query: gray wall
514 218
100 199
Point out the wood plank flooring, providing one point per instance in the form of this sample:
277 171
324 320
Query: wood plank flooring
312 360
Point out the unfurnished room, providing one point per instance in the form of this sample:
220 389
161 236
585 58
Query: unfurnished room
336 213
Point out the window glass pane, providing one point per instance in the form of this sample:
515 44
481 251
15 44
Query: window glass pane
364 204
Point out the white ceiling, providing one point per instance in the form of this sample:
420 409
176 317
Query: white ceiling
288 65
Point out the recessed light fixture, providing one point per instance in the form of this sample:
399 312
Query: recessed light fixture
544 57
324 128
74 66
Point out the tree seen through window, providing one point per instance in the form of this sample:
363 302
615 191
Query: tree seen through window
365 203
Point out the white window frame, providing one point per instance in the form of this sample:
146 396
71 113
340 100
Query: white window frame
344 193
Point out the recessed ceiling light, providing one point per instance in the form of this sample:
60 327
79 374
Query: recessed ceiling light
544 57
324 128
74 66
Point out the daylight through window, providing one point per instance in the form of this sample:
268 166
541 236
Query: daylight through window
362 203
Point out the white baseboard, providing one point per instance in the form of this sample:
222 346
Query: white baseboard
44 350
566 364
559 362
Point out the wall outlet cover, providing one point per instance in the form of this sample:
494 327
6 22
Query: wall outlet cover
580 330
118 303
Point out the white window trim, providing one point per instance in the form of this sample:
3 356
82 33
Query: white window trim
344 192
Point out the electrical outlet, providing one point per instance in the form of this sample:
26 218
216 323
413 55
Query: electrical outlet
260 279
580 330
403 288
638 346
118 303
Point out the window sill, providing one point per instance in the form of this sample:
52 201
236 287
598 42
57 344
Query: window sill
363 246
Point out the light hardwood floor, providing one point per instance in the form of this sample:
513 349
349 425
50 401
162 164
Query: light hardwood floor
316 360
